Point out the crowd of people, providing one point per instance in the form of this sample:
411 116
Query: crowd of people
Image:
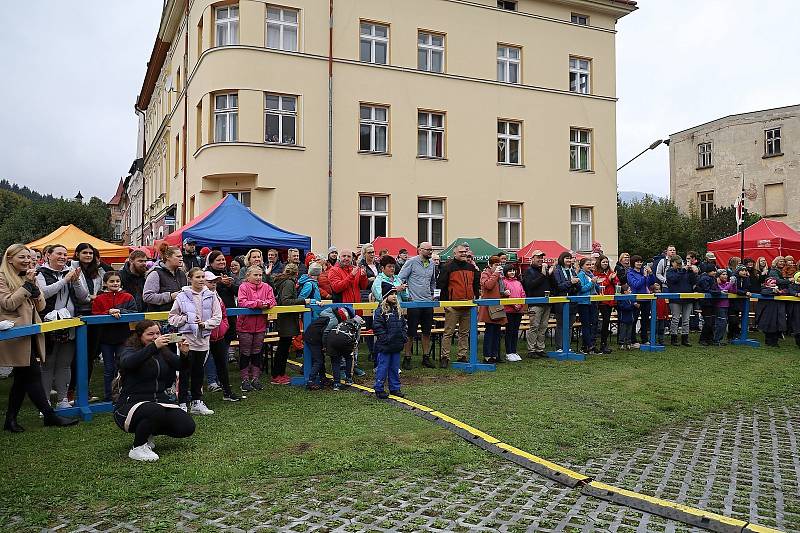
157 375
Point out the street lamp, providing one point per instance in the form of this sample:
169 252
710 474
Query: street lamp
653 146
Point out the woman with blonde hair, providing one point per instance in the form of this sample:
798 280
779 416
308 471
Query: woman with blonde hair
20 302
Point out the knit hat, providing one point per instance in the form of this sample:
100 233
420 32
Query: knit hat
332 249
315 269
387 289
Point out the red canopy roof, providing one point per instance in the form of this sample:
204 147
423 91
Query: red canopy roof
394 244
176 237
552 250
768 238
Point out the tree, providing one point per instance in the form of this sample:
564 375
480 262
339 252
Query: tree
10 202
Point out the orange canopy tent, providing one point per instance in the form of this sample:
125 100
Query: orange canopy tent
394 244
71 236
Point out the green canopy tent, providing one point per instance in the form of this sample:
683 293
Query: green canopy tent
481 249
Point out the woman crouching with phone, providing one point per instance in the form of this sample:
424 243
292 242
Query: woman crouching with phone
147 367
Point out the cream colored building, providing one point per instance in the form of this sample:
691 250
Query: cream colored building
707 163
419 118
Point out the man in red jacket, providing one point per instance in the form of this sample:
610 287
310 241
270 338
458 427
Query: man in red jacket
347 281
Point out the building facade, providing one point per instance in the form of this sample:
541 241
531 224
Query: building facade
117 207
707 163
428 119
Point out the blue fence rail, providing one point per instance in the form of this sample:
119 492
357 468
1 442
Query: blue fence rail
86 410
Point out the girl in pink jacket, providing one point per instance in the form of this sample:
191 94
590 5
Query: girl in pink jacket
251 329
513 312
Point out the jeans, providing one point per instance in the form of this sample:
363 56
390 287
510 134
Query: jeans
57 367
491 341
211 371
720 324
512 332
191 371
625 333
588 316
605 324
110 353
388 367
661 326
219 357
539 317
681 313
559 311
317 363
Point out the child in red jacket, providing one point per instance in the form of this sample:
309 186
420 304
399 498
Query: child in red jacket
662 314
113 301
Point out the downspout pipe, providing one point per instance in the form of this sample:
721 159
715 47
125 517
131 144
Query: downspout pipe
144 153
185 110
330 123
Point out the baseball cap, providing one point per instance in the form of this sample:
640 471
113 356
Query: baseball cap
210 276
710 255
537 253
189 240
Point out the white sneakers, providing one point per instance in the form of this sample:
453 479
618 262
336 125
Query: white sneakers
513 357
200 408
63 404
183 407
214 387
151 443
143 453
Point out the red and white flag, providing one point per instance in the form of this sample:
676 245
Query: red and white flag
740 210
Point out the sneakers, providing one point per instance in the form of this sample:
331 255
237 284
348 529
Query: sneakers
406 364
246 386
63 404
397 393
279 380
256 385
214 387
143 453
199 408
232 397
635 345
151 443
381 395
348 383
313 386
359 372
516 356
337 387
183 407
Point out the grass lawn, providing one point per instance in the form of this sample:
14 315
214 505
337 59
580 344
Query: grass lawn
279 438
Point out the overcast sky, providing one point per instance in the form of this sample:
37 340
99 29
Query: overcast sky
71 73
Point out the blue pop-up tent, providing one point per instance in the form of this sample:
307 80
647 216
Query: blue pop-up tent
229 224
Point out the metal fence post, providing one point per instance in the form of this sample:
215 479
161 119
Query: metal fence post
302 381
82 365
566 352
743 339
473 365
653 346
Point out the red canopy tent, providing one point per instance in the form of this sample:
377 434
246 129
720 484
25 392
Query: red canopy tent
394 244
552 250
176 237
768 238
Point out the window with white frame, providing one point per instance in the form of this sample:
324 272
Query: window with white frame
242 196
374 47
509 139
580 149
508 61
508 5
577 18
430 134
772 141
705 201
373 215
705 157
227 25
430 221
509 226
579 75
280 118
226 117
373 129
581 226
430 51
282 28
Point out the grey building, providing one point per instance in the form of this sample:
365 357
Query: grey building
707 161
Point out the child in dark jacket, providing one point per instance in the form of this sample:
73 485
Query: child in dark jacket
707 283
115 302
391 335
627 318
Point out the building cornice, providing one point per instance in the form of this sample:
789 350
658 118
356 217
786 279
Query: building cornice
750 114
171 16
616 8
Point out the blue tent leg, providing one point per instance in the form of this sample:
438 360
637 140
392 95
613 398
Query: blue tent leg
81 404
743 340
653 346
301 381
473 365
566 353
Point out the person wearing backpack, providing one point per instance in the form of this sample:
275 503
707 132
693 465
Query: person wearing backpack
288 323
391 335
112 337
218 342
342 338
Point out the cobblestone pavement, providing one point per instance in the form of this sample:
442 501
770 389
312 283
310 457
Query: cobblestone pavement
742 463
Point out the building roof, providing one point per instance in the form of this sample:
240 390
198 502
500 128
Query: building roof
117 198
795 107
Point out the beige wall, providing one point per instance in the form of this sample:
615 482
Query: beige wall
739 139
282 179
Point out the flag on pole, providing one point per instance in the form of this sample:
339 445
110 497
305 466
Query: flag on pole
740 210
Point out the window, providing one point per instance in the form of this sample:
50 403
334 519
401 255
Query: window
373 212
282 26
508 5
508 58
227 25
579 75
705 200
581 225
704 155
509 226
226 117
280 118
117 231
774 199
430 51
509 137
373 129
430 134
580 149
374 47
577 18
430 221
772 142
242 196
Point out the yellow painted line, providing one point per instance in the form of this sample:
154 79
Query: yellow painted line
286 309
557 300
415 405
512 301
56 325
672 505
157 315
788 298
488 438
645 296
457 303
365 306
601 298
544 462
692 295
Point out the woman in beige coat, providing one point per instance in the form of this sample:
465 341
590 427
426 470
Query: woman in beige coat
20 302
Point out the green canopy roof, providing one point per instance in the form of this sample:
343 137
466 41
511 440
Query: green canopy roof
480 248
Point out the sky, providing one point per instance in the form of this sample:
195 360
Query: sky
71 73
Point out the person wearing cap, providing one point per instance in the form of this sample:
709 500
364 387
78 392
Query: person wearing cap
419 273
711 261
391 335
190 258
196 312
333 255
536 283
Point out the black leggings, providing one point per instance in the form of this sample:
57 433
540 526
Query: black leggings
605 324
27 380
281 355
151 418
192 368
219 352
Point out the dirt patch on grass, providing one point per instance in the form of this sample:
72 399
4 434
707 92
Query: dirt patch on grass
445 377
300 448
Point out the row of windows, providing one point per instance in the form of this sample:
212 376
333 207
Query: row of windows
373 212
281 120
513 5
774 201
282 34
772 147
